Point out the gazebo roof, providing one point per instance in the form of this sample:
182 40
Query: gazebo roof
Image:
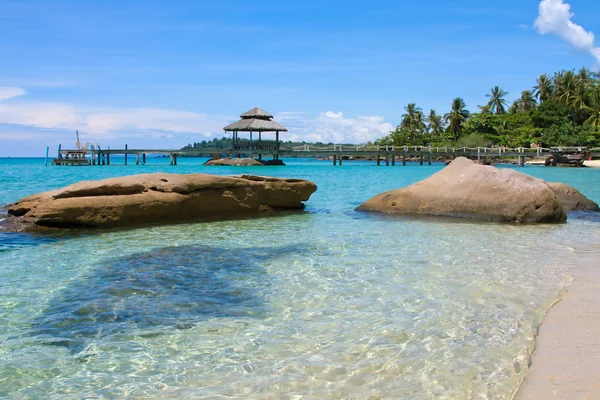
255 120
255 125
256 113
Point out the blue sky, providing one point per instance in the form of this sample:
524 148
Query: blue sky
163 74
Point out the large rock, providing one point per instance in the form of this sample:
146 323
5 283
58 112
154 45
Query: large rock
467 190
157 198
572 199
235 162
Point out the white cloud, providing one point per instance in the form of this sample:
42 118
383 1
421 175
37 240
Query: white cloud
114 125
555 18
103 123
8 92
331 126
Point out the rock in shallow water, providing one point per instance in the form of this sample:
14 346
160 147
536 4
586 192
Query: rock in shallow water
157 198
235 162
572 199
467 190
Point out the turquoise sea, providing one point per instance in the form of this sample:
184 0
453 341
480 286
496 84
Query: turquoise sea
323 304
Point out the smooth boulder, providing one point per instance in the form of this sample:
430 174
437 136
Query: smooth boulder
572 199
157 198
467 190
235 162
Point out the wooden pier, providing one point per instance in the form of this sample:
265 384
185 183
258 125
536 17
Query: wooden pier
388 155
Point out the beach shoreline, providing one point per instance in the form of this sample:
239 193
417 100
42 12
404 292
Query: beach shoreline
565 363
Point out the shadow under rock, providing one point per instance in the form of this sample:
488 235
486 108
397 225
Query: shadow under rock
144 293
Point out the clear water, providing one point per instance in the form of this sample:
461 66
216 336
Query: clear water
328 303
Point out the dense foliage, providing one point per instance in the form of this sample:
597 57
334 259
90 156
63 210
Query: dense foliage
559 110
226 143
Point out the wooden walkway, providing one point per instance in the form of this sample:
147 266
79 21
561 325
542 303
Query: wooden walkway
337 153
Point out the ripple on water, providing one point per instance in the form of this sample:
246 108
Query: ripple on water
325 304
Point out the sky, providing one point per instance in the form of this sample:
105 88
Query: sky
158 74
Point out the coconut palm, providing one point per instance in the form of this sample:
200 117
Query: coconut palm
584 77
544 88
412 120
435 124
579 101
514 107
527 101
565 82
497 102
456 117
593 107
484 109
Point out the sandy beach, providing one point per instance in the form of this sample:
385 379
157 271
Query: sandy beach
592 163
566 361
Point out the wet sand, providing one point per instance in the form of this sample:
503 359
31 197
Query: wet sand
566 361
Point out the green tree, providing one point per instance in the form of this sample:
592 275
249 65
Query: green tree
593 107
544 88
497 102
514 107
412 128
527 101
456 117
565 82
435 125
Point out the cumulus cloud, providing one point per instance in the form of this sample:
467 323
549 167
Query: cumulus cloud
114 125
332 126
7 92
555 18
103 123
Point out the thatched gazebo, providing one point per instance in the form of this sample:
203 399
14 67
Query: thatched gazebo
256 120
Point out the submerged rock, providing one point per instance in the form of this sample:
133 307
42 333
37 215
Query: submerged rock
572 199
157 198
235 162
467 190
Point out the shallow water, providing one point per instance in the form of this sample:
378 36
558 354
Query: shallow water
329 303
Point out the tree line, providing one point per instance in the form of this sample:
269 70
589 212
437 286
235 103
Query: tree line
562 109
226 143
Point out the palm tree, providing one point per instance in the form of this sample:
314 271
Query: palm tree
412 125
584 77
514 107
544 88
579 101
413 117
593 107
497 101
456 117
484 109
565 86
527 101
435 125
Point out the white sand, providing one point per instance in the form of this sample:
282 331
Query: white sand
592 164
566 362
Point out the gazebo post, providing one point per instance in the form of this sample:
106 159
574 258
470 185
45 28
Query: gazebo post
251 144
259 145
276 145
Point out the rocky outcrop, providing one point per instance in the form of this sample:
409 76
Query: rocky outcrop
157 198
572 199
467 190
235 162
